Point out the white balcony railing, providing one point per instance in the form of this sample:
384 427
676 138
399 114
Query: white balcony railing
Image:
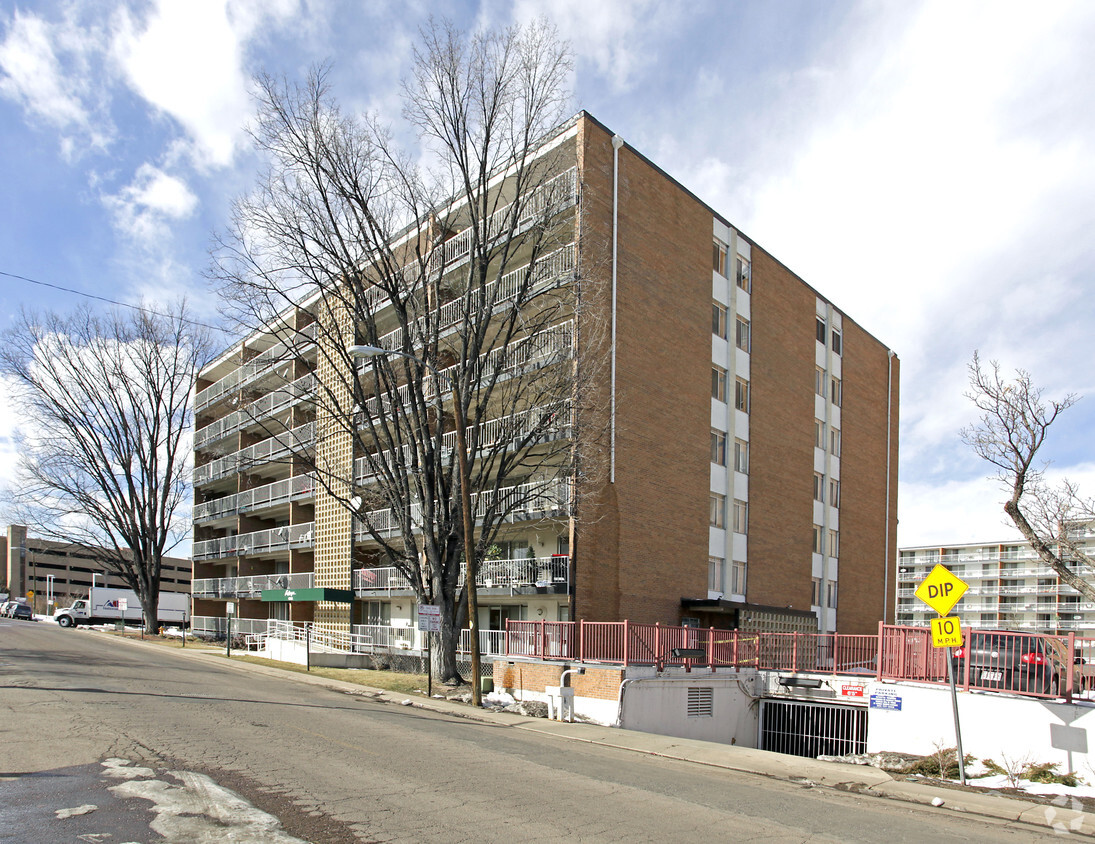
251 586
214 626
283 351
552 425
260 542
534 350
521 502
279 492
261 408
511 573
289 442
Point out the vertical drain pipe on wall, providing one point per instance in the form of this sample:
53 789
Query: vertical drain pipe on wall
617 142
886 527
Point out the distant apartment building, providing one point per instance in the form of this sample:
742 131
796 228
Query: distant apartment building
753 447
1009 588
65 570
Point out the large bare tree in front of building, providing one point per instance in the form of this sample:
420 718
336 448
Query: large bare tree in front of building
1015 421
105 445
455 259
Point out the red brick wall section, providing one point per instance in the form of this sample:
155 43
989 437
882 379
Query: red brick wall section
534 677
781 434
663 389
865 592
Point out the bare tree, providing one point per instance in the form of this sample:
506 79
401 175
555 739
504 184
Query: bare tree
1014 424
105 450
462 268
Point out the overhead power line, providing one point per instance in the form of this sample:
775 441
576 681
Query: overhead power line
111 301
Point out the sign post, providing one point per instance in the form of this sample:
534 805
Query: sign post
230 610
429 621
941 590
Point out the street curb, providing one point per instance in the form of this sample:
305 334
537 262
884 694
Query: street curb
860 779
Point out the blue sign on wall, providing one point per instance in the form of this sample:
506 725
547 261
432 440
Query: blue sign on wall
886 700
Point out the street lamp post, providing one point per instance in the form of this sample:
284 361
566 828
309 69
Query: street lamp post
465 503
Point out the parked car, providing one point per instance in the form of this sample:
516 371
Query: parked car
1012 661
22 611
8 607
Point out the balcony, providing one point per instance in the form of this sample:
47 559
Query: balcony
518 426
517 573
542 348
250 587
551 269
261 408
260 542
301 438
522 502
279 492
283 351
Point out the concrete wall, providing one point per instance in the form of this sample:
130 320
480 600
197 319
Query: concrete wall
992 724
659 705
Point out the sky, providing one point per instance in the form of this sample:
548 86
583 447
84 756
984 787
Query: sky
929 167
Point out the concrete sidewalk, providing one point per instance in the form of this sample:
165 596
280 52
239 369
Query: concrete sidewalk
861 779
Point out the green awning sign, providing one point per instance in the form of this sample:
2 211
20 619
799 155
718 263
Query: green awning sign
341 596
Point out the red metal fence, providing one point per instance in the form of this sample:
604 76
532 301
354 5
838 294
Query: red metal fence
1026 663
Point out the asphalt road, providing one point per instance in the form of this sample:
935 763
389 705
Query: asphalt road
334 767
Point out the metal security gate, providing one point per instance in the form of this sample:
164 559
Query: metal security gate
812 729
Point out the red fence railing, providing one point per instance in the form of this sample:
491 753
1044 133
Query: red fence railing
1035 664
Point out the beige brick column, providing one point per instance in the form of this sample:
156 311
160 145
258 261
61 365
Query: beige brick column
334 460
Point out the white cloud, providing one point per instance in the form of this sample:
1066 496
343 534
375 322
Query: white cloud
618 37
144 209
186 60
45 69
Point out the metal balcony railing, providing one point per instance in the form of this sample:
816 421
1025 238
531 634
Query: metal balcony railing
250 586
283 351
261 408
279 492
260 542
289 442
515 572
522 501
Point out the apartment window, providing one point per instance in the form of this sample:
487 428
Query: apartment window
737 576
834 441
741 335
744 275
821 331
719 258
718 510
835 393
836 342
819 487
718 383
741 456
819 539
819 381
741 395
834 543
741 517
718 320
819 433
718 448
831 603
815 593
714 574
834 493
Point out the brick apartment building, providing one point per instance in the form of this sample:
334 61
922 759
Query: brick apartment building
750 447
66 570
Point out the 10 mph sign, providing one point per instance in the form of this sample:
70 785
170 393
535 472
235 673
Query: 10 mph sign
941 590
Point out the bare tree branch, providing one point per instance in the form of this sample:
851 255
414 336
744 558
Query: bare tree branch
1014 424
104 452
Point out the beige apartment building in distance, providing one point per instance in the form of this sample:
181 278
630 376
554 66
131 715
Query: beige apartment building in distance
751 442
1010 588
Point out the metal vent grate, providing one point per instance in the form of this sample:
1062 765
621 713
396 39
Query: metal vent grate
701 703
812 729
